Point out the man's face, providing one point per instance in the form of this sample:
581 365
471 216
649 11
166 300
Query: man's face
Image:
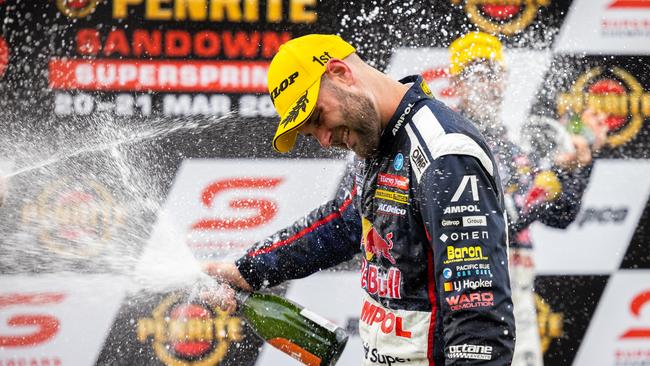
345 119
480 87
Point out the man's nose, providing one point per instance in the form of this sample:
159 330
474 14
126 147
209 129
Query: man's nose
324 136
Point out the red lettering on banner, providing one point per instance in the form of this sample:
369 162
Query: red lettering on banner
159 75
371 314
394 181
116 43
384 283
637 303
145 43
178 43
266 209
88 42
47 325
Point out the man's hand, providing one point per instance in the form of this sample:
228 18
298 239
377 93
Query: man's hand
579 158
228 276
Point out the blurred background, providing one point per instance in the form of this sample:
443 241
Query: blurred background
135 143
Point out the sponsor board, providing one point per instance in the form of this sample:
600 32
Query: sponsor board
218 208
606 27
620 330
57 319
611 207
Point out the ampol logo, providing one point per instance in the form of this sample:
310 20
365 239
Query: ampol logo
615 92
189 333
73 218
76 8
374 244
502 16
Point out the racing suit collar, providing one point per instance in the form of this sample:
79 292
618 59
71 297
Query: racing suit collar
419 90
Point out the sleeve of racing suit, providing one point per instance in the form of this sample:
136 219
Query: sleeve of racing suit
563 210
463 212
327 236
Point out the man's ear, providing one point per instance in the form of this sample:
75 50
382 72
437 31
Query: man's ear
340 71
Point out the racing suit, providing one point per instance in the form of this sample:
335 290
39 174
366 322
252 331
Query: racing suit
427 215
551 196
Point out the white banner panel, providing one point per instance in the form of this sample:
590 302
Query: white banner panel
58 319
596 241
334 296
525 72
619 333
218 208
610 27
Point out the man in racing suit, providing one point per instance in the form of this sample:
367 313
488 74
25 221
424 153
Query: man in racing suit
423 205
551 196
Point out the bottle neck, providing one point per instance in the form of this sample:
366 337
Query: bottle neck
241 297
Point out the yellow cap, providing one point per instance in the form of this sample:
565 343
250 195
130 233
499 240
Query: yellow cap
473 46
294 81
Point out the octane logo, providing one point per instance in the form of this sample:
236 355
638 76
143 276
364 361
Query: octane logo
550 324
76 8
189 333
73 218
502 16
615 92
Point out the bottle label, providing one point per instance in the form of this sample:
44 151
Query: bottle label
318 320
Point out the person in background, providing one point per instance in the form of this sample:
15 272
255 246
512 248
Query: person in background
422 205
550 195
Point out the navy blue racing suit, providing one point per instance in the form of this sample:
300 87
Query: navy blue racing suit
428 216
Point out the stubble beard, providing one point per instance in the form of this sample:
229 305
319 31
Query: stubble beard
361 118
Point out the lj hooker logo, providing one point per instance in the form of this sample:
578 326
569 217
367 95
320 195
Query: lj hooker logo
73 218
502 16
615 92
189 334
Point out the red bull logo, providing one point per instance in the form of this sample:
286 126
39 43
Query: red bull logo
374 244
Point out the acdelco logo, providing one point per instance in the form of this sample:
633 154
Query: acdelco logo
74 218
33 329
266 209
76 8
184 332
502 16
612 91
640 300
550 324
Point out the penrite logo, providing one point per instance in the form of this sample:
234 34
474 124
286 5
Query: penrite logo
550 324
638 302
506 17
612 91
74 218
265 209
32 329
185 332
76 8
389 322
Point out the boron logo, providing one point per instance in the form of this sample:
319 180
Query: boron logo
73 218
76 8
612 91
506 17
185 332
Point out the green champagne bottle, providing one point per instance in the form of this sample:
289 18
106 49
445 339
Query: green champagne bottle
292 329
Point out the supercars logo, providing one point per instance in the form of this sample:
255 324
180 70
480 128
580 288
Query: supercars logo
73 218
550 324
612 91
374 243
638 302
502 16
185 332
76 8
629 4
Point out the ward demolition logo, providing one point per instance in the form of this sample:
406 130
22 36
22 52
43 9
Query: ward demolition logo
505 17
189 333
615 92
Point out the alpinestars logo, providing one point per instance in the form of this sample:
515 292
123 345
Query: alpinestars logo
470 351
613 91
506 17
